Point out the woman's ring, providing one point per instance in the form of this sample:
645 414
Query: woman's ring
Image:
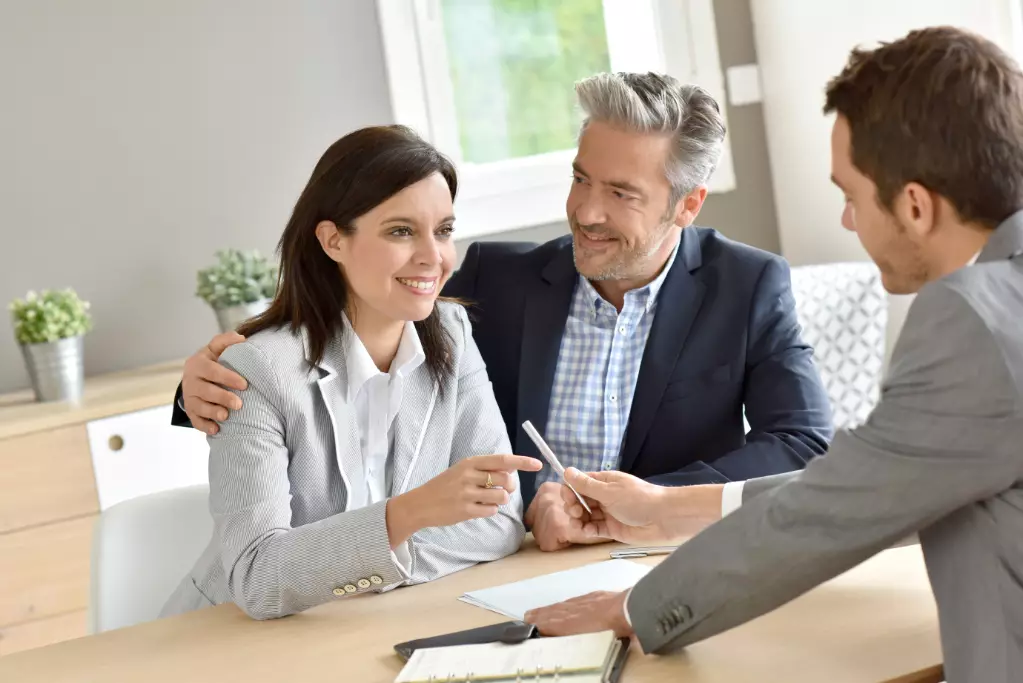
490 482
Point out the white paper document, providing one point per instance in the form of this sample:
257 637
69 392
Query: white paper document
515 599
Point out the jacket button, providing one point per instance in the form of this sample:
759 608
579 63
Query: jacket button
338 591
375 580
350 588
363 583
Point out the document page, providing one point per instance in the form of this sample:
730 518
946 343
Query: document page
515 599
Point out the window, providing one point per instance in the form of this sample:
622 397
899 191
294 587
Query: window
490 83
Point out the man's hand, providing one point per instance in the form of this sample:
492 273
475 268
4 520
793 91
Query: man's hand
205 400
600 611
552 526
630 510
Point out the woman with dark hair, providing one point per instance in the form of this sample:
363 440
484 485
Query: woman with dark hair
369 451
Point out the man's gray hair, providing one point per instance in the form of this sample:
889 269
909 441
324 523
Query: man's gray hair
656 103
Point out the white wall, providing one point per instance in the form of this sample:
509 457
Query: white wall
801 44
138 136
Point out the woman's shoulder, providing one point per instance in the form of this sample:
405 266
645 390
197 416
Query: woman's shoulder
275 351
453 315
455 320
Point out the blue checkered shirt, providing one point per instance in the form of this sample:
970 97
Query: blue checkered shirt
598 364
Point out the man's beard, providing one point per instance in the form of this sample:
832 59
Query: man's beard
627 263
903 266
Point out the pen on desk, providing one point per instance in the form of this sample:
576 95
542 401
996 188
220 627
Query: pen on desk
624 553
549 456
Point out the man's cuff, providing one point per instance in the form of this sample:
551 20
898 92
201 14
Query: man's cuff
731 497
625 608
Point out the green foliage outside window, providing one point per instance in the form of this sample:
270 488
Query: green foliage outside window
513 63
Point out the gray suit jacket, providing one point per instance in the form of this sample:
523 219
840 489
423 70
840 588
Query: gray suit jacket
281 467
942 455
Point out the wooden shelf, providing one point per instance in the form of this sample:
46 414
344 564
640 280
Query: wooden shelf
105 395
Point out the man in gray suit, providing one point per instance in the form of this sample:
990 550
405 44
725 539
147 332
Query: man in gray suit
927 148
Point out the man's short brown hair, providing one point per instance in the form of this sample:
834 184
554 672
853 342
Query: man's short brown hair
941 107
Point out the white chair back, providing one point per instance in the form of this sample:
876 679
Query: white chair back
141 550
843 310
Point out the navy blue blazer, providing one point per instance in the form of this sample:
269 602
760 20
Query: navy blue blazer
724 335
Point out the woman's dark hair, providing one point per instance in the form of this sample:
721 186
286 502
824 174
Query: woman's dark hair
356 174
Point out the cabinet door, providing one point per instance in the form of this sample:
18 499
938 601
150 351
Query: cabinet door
140 453
41 632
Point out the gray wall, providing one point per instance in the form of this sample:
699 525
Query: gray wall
138 137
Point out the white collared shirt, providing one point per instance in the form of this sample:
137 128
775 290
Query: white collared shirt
376 397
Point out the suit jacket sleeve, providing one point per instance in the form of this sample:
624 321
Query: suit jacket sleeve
178 416
935 442
787 408
479 430
462 284
273 569
755 487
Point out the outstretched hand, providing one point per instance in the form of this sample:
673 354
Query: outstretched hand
627 509
624 508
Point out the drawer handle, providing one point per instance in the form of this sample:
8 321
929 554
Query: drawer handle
115 442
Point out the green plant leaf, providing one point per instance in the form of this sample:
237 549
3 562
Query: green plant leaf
49 316
239 277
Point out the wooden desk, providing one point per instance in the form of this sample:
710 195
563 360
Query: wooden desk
875 623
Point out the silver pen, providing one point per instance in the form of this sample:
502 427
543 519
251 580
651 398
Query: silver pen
624 553
549 456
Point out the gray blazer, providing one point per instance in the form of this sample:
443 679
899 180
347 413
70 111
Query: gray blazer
281 468
942 455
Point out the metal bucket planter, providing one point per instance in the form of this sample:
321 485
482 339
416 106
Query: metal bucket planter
230 318
56 369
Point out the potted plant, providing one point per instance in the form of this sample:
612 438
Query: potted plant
49 327
240 286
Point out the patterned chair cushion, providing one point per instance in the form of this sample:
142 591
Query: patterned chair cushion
843 310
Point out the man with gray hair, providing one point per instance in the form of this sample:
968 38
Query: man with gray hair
636 342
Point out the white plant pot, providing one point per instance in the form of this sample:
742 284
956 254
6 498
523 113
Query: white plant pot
232 317
56 369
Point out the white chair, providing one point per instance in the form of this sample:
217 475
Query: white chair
843 310
141 550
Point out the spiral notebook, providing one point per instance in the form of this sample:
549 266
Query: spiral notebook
587 658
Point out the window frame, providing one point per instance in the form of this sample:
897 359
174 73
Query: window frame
527 191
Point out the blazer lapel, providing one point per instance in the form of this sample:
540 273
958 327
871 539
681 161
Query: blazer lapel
677 305
418 398
546 312
333 387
